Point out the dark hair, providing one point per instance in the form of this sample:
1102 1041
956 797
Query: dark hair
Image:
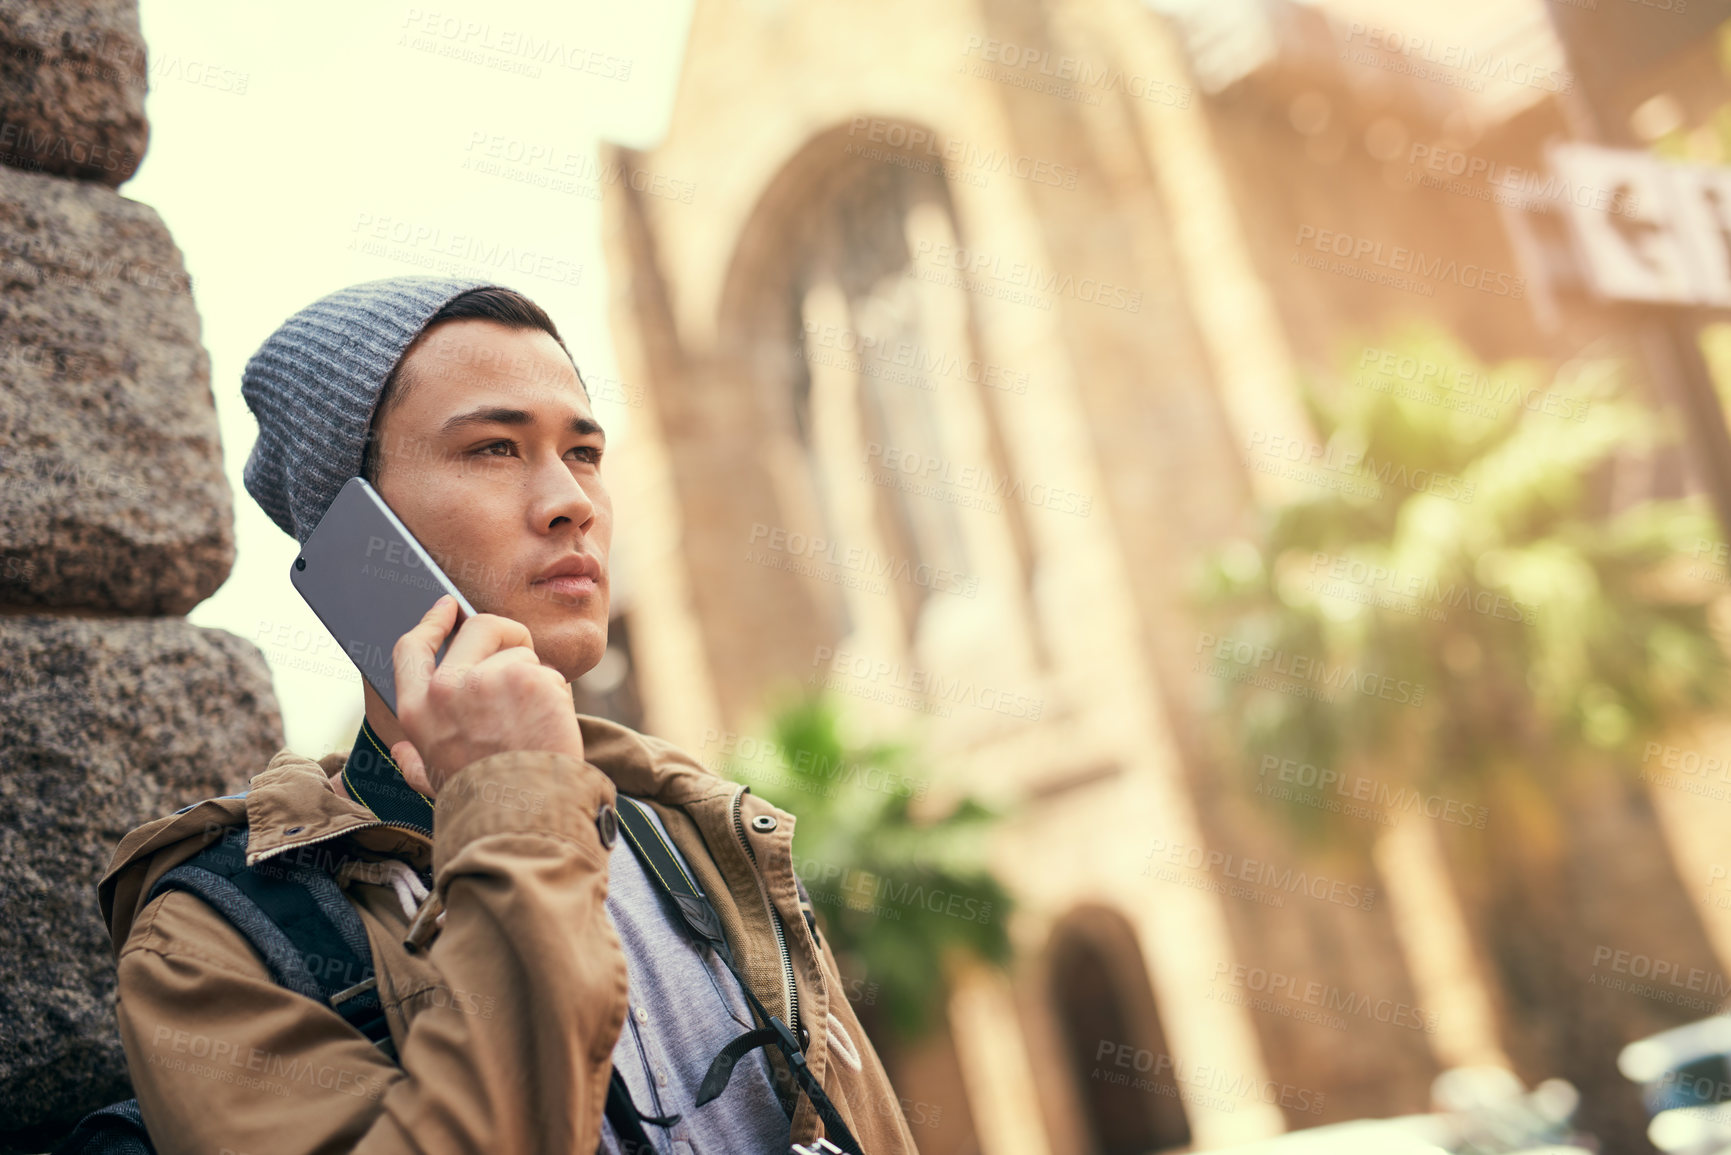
494 303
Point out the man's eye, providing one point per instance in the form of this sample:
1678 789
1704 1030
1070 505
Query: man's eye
592 453
485 450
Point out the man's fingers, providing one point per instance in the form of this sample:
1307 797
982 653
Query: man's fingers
408 760
484 635
412 656
459 677
514 656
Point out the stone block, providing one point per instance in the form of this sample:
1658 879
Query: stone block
112 492
72 82
109 723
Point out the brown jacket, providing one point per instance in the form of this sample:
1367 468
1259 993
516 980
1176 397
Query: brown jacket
505 1021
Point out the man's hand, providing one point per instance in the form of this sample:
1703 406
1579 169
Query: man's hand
491 694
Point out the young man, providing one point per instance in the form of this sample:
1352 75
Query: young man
522 949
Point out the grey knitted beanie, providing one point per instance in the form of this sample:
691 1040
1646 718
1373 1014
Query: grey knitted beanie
313 386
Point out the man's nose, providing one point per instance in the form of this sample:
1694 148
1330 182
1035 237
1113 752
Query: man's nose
558 494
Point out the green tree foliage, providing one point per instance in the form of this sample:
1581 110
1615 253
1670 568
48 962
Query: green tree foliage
897 895
1456 595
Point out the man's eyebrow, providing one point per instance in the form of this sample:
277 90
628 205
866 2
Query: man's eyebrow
496 415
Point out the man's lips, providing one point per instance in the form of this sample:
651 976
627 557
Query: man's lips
572 576
573 585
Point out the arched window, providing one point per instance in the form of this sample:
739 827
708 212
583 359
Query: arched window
877 437
1124 1075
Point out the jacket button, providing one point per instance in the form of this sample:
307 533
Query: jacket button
607 825
763 823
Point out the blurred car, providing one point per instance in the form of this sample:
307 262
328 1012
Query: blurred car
1480 1111
1685 1077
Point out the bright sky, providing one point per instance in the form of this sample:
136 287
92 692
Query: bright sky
283 136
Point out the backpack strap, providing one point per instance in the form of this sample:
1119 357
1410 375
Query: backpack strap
117 1129
300 922
314 943
628 1121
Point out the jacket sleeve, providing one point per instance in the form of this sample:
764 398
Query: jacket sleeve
221 1057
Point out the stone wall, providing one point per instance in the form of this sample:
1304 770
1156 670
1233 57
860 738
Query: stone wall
115 520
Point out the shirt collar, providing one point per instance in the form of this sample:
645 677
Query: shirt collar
373 778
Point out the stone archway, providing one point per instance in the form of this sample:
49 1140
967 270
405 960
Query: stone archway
1113 1048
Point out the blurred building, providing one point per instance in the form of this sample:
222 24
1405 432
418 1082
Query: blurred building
963 332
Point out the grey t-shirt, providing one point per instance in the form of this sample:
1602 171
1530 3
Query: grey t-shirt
685 1005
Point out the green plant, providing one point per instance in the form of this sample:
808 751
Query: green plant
897 895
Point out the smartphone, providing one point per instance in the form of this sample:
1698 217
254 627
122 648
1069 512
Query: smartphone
369 581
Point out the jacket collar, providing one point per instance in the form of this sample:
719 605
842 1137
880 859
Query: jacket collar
373 778
282 819
290 804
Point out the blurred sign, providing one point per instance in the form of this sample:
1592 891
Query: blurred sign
1646 230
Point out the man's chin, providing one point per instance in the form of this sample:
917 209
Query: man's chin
575 668
573 650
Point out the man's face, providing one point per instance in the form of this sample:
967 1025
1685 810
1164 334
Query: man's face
492 458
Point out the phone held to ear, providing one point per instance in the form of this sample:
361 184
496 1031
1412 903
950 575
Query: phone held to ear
369 581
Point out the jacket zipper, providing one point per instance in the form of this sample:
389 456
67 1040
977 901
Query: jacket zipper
775 919
276 850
